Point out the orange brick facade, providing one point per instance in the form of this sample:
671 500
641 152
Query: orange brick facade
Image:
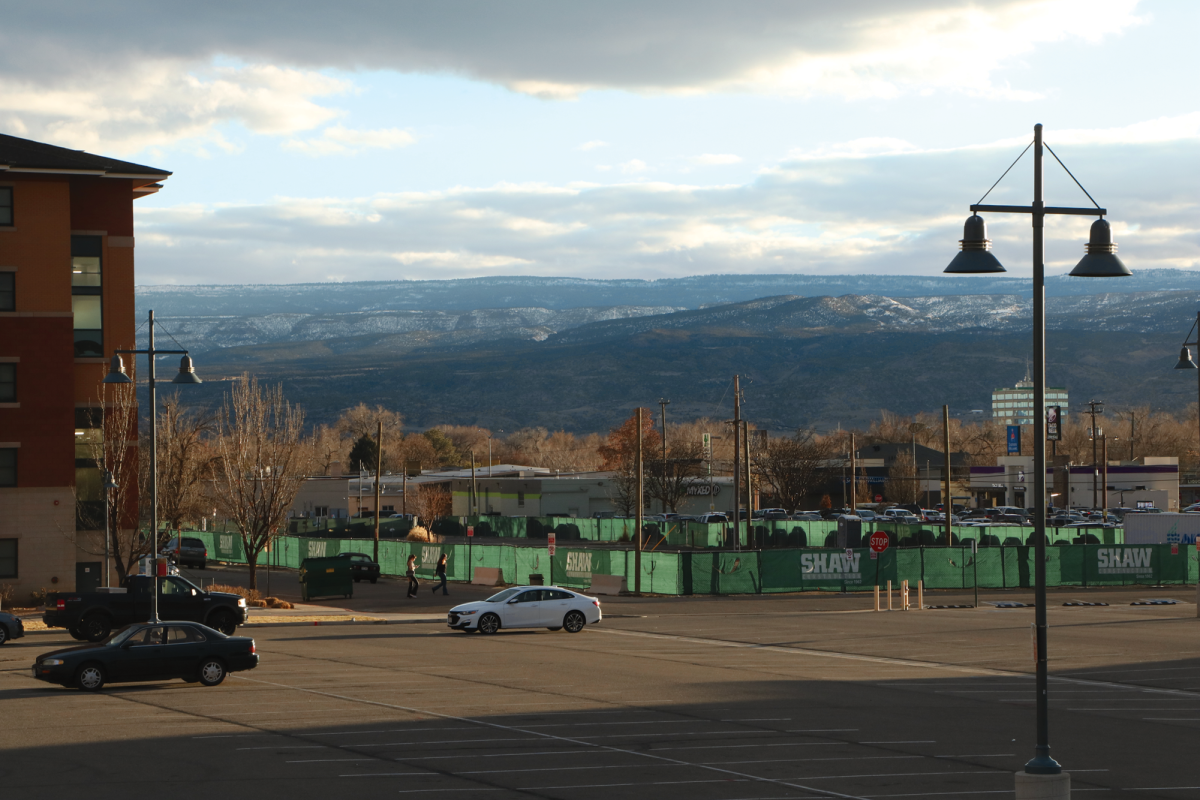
54 383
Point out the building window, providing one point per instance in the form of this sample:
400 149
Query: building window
8 383
520 499
8 466
8 558
8 291
86 288
6 206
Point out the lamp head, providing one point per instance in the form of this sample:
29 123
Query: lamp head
116 371
187 373
1185 359
1101 260
975 258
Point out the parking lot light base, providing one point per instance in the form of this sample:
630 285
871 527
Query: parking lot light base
1042 763
1043 787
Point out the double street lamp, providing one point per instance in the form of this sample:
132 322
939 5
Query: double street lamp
1185 355
1100 261
187 375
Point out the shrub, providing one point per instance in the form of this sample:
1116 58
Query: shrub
249 594
418 534
275 602
38 596
7 592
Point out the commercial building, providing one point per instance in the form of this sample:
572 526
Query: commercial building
1015 406
66 303
1010 483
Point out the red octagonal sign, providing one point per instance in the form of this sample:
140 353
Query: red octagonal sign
879 541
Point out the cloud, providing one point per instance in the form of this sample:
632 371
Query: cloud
716 159
337 140
852 48
900 213
592 145
160 102
633 166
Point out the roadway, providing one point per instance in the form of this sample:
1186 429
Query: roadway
696 698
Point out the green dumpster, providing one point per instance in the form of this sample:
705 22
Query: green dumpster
325 577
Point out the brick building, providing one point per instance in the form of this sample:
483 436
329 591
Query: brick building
66 302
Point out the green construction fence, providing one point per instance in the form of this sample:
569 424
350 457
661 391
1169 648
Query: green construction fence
753 571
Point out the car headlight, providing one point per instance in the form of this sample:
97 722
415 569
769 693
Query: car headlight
241 602
464 613
52 662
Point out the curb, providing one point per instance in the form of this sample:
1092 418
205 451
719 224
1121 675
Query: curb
308 624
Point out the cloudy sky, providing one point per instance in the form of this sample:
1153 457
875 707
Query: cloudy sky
381 139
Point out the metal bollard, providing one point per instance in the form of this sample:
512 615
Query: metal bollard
904 595
876 597
920 595
889 595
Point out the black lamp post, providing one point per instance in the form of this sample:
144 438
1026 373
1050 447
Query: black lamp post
1185 355
187 375
1100 261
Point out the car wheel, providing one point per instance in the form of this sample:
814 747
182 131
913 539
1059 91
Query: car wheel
212 672
76 634
489 623
203 565
373 580
3 634
90 677
574 621
559 628
224 622
356 580
95 627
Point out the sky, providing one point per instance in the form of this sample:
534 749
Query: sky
387 140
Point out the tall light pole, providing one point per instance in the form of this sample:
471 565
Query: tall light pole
1100 261
1185 360
663 405
1095 407
109 485
187 375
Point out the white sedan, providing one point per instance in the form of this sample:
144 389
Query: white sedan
527 607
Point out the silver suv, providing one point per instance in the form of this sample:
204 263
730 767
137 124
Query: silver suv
187 551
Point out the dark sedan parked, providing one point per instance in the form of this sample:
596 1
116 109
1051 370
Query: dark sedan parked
150 651
362 567
10 627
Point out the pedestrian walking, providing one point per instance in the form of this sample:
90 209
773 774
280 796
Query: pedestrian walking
413 586
440 573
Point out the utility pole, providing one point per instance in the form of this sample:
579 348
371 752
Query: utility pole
378 477
663 405
360 482
1095 407
1131 423
637 555
853 477
948 502
749 483
474 487
1104 493
737 461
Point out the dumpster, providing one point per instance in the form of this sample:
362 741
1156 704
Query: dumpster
325 577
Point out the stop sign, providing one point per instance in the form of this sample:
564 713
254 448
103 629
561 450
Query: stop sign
879 541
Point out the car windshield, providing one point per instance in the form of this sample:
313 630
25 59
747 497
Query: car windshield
120 636
502 596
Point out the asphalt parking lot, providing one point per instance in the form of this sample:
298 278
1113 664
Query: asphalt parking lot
698 698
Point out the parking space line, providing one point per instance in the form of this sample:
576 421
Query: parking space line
496 725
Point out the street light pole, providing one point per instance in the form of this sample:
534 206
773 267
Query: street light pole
1095 407
1100 261
187 375
663 404
1185 359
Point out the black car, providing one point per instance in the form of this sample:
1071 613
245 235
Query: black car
10 627
362 567
149 651
187 551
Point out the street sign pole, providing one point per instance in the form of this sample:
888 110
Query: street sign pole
551 542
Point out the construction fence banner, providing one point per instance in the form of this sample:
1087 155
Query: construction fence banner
718 572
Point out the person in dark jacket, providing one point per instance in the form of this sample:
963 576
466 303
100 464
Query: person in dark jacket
413 586
440 573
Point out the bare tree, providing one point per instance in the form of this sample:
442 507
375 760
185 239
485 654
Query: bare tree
902 485
185 462
669 483
793 466
113 445
433 501
263 462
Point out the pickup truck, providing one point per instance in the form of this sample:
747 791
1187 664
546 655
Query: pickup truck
94 615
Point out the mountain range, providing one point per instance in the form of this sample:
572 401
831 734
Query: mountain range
807 360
